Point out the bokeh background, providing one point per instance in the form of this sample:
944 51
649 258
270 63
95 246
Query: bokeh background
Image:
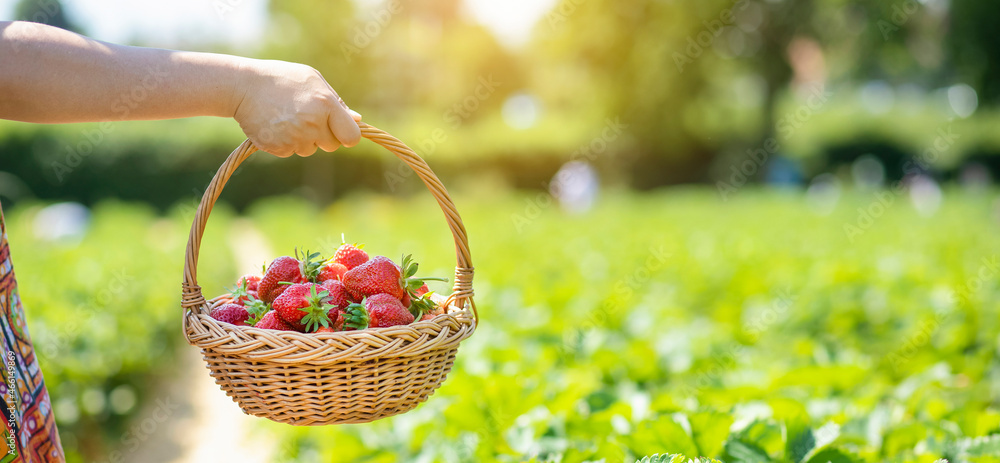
754 230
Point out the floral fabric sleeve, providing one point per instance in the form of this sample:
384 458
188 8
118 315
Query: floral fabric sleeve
29 425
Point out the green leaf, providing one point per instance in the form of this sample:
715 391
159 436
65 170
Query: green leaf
799 444
710 430
738 451
981 446
831 456
664 434
764 435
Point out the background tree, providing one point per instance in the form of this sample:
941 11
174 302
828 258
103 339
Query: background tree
49 12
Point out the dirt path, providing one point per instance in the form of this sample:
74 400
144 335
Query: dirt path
192 420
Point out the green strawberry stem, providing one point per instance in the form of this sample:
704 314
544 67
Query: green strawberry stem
356 317
311 263
317 313
421 305
257 309
240 291
409 282
343 240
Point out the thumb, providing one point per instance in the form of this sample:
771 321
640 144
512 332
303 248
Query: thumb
344 126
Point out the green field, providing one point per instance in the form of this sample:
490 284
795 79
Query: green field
750 330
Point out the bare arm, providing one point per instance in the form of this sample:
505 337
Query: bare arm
50 75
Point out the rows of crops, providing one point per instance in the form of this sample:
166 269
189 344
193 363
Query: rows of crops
756 329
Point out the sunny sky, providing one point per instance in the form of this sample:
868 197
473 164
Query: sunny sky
236 22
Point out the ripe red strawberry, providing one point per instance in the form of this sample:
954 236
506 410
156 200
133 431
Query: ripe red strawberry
385 310
326 329
350 255
378 311
339 298
271 321
304 306
331 271
376 276
231 313
287 269
338 293
432 313
381 276
251 281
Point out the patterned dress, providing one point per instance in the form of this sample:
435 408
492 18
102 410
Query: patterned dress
29 425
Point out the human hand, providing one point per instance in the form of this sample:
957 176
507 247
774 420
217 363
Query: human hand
288 108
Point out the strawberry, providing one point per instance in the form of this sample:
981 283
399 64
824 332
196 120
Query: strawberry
271 321
350 255
429 315
378 275
338 293
339 298
231 313
331 271
385 310
381 275
304 306
326 329
251 282
287 269
282 269
378 311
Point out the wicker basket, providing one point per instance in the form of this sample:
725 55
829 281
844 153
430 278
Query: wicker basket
330 378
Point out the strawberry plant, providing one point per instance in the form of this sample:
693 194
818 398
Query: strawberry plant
756 329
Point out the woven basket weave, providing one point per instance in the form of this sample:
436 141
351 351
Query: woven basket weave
330 378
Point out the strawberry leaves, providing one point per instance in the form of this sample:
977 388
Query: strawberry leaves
356 317
407 269
317 313
240 293
257 309
311 263
421 305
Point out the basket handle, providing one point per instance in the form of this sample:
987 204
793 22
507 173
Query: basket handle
461 291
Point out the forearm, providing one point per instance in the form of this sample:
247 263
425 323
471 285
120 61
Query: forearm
50 75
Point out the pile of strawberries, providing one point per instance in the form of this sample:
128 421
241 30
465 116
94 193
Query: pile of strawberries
348 291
